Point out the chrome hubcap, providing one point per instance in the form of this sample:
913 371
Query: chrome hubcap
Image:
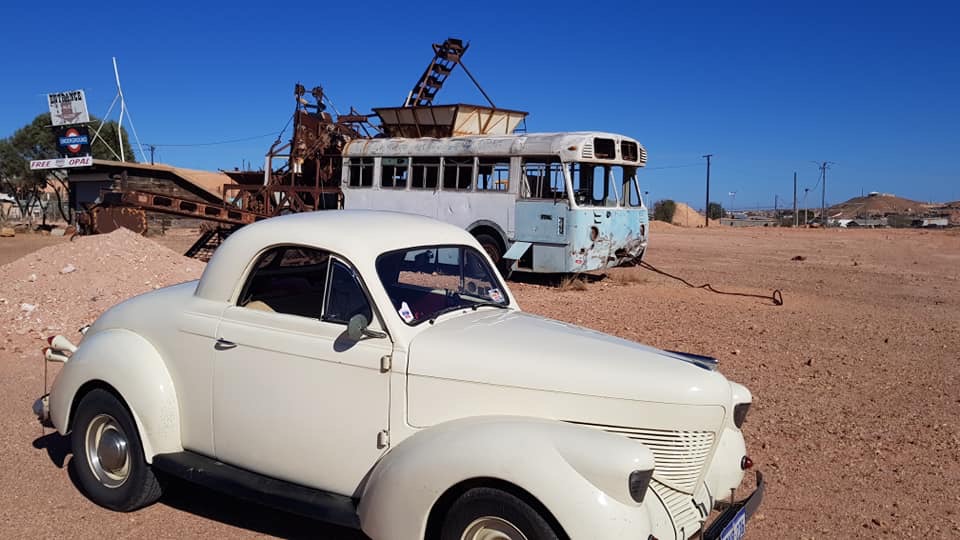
107 451
492 528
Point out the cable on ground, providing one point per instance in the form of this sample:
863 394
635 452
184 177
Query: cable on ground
776 297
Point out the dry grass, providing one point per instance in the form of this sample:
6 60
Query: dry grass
572 283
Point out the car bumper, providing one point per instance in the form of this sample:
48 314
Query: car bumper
718 529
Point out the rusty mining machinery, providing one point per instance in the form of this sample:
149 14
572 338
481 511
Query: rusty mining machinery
307 180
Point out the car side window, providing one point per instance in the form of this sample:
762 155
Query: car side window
345 296
288 279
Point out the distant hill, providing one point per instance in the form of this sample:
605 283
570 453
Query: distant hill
878 204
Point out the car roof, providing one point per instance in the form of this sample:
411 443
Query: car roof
357 235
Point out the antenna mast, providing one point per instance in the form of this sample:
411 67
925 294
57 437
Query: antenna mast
123 110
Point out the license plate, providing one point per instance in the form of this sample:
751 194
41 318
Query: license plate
736 528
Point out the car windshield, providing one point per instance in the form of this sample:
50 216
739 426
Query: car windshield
426 282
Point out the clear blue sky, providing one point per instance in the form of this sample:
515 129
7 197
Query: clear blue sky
766 87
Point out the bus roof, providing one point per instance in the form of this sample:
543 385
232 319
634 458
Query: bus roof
595 146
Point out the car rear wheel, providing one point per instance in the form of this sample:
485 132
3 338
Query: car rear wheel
493 514
108 456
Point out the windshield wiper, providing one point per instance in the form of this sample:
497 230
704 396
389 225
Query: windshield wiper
491 304
448 309
473 307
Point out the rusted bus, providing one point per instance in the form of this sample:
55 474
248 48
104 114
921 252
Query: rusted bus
547 202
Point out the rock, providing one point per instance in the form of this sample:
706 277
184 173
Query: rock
67 269
798 258
7 232
57 232
32 278
27 307
735 352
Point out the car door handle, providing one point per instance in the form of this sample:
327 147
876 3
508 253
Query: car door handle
223 345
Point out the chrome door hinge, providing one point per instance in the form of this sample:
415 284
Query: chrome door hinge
386 362
383 439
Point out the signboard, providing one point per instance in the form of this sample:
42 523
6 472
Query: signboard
73 141
61 163
68 108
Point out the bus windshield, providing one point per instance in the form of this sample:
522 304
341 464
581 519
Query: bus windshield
600 184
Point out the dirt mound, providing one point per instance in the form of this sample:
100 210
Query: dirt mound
685 216
879 204
62 287
656 226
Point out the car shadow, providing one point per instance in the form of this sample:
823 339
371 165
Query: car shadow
213 505
56 445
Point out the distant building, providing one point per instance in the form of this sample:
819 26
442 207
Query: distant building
901 221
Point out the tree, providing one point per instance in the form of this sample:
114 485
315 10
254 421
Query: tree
36 140
664 210
714 210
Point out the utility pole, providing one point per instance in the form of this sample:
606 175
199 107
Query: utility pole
153 148
706 208
776 205
795 217
823 191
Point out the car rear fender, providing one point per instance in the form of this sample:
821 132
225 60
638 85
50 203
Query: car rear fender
129 365
579 474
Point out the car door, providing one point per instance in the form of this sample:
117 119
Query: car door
294 397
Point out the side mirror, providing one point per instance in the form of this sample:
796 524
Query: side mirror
357 328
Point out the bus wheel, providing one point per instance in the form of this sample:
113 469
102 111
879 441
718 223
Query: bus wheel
492 246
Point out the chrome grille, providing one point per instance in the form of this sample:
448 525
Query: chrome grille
680 456
686 518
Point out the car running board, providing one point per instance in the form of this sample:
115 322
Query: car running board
260 489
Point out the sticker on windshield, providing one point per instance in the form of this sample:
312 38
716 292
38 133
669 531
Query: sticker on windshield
496 296
405 312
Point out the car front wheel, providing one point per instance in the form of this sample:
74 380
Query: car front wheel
493 514
108 456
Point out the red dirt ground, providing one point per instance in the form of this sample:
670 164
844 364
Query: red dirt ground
855 377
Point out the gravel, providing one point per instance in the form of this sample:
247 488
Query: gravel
855 377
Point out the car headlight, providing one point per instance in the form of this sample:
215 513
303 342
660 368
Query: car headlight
639 482
740 413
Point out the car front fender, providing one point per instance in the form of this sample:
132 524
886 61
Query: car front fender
579 474
132 367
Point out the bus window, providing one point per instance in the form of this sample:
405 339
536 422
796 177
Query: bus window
457 173
580 174
629 151
425 174
542 179
631 187
393 173
361 172
596 184
493 174
615 186
599 184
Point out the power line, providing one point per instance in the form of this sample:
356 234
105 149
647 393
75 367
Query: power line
672 167
231 141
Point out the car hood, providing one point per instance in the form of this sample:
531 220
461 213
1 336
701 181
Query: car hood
516 349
